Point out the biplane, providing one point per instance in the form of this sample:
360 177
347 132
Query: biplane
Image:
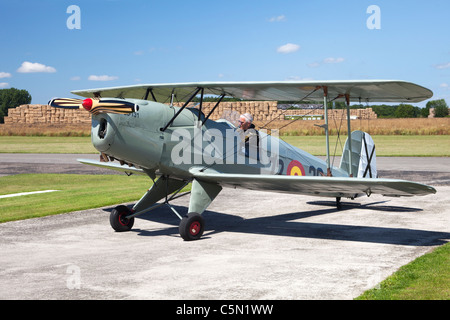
138 129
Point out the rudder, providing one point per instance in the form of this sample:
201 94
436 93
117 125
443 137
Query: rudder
362 155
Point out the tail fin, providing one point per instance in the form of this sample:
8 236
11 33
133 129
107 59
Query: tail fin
363 164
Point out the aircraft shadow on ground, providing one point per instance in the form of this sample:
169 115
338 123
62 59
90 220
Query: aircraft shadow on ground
290 225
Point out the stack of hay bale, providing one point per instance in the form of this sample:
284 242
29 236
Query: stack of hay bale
261 110
44 114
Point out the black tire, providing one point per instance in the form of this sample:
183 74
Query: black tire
192 226
118 221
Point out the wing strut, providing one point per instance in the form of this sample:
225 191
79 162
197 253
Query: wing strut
325 106
201 105
214 108
349 133
181 109
149 91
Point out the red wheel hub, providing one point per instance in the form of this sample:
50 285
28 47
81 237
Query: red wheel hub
123 220
194 228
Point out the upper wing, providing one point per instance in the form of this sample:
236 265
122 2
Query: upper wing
358 90
316 186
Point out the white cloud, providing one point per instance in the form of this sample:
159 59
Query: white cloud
314 64
76 78
29 67
102 78
443 66
4 84
333 60
444 85
280 18
5 75
288 48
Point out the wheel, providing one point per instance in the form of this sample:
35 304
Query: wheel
118 219
192 226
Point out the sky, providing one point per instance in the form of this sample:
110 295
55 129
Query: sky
51 47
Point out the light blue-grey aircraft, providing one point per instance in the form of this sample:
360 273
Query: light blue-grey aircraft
138 130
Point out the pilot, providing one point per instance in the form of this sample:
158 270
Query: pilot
245 122
249 134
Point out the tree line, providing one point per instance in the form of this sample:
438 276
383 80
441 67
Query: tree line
12 98
404 110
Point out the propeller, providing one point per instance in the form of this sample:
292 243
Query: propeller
66 103
95 105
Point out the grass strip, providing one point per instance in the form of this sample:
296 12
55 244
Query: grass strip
35 144
425 278
386 146
76 192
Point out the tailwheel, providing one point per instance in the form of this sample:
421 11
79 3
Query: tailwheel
118 219
192 226
338 203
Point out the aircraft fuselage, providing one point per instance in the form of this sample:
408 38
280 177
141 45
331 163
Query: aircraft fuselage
137 138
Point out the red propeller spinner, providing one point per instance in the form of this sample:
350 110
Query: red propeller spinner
87 104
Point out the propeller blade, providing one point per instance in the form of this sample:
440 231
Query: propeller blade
66 103
112 106
95 105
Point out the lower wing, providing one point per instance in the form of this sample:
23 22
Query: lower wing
113 166
308 185
316 186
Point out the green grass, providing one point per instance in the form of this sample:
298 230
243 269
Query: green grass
34 144
77 192
426 278
408 146
386 146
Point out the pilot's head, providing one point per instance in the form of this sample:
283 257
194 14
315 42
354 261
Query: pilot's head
245 121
